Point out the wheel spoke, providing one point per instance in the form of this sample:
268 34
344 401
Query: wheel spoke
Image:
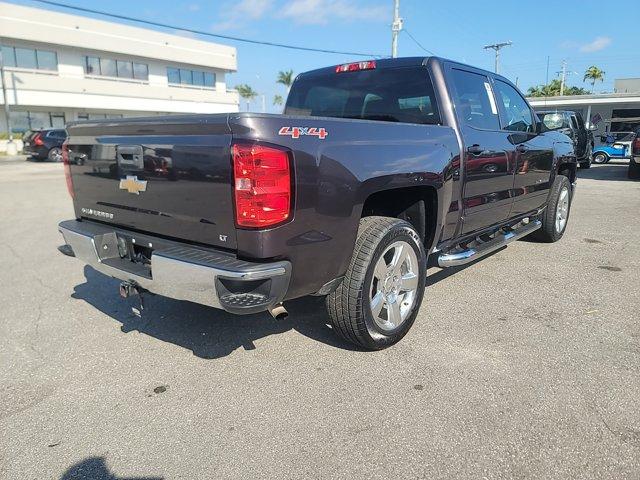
377 302
409 282
380 272
398 257
393 313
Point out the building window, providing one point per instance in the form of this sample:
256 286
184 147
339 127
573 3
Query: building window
183 76
22 121
140 71
29 58
108 67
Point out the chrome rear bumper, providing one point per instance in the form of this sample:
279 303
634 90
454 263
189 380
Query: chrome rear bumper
180 271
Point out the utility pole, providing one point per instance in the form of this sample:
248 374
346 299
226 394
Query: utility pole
497 47
564 76
396 27
6 100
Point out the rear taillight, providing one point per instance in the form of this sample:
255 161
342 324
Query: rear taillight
37 140
262 185
67 169
636 146
357 66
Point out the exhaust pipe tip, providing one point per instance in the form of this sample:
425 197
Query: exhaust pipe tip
279 312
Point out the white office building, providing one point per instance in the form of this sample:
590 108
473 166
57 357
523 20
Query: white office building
60 67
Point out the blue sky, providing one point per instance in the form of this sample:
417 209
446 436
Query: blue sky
584 33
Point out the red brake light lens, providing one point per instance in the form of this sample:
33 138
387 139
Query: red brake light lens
67 169
357 66
37 140
262 185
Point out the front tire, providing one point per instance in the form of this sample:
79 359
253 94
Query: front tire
556 216
379 298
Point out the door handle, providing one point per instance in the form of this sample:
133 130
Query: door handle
475 149
521 148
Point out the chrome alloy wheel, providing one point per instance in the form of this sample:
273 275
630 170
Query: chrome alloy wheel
394 285
562 210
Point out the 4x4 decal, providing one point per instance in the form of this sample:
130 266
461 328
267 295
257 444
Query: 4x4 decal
297 132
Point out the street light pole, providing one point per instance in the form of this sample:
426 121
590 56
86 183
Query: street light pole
496 47
396 27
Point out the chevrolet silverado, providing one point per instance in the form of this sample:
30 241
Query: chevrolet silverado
374 168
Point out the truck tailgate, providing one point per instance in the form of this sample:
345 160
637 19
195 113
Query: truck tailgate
169 176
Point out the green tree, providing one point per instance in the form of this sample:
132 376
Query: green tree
278 100
285 78
593 74
246 92
552 89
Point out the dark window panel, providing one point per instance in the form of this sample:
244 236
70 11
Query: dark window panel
186 77
8 56
92 66
198 78
47 60
125 69
209 79
108 67
173 75
141 71
26 58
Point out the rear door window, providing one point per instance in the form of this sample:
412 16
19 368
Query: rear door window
402 94
475 104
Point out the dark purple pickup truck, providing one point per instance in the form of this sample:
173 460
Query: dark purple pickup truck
374 168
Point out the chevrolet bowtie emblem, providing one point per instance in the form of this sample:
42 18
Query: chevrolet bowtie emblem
132 185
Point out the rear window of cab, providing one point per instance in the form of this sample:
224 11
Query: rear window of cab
402 94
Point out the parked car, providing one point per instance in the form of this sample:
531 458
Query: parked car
374 166
45 144
571 124
634 161
615 145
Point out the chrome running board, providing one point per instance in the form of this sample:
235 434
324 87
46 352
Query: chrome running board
501 238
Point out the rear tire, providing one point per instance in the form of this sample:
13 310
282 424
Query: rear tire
600 158
55 155
634 170
556 216
379 298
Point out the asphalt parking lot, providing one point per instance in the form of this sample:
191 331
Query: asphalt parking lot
523 365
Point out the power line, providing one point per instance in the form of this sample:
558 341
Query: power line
417 42
200 32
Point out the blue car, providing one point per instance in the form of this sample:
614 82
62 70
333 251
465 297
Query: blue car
615 145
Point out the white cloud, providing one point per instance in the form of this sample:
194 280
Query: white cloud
193 7
320 12
600 43
238 14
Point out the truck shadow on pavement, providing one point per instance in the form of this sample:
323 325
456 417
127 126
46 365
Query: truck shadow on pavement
614 170
209 333
95 468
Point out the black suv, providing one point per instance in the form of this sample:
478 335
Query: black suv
572 125
45 144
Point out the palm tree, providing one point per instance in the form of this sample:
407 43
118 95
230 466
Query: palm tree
278 100
285 78
593 74
246 92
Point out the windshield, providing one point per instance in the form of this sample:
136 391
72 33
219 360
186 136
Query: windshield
390 94
552 121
